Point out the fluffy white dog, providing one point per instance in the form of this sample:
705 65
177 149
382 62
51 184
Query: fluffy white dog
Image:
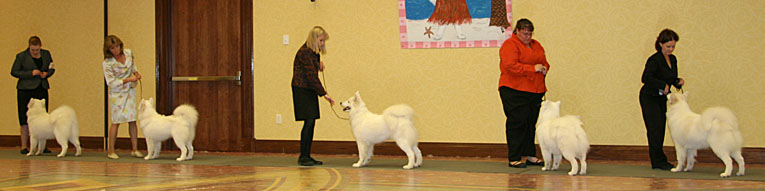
717 128
181 126
561 136
369 129
60 124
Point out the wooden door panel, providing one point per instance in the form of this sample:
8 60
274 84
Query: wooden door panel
209 38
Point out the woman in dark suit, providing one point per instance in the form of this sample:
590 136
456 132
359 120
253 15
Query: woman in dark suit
306 89
660 72
32 67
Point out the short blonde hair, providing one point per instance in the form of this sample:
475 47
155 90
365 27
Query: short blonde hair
110 41
313 39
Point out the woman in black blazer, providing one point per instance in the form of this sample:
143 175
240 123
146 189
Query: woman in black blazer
32 67
660 72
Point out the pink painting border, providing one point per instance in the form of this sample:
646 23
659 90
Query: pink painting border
405 43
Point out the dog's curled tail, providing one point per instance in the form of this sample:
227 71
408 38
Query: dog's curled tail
63 115
574 125
722 121
188 113
399 111
581 135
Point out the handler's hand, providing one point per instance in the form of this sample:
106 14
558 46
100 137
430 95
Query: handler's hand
330 100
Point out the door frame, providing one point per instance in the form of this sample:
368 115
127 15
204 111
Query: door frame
164 67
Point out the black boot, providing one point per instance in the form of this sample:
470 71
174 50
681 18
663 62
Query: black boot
305 162
315 162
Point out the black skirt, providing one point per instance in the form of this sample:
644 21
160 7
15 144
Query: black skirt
306 103
23 97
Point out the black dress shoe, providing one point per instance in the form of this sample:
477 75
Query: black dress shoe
666 166
305 162
538 163
315 162
46 150
24 151
519 165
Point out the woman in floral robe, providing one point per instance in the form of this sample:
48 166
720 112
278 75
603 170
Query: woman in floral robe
122 77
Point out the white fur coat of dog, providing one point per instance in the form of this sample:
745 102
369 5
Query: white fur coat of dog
369 129
181 126
60 124
561 136
717 128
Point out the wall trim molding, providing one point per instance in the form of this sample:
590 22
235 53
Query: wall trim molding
752 155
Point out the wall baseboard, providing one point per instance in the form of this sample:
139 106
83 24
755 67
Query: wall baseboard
752 155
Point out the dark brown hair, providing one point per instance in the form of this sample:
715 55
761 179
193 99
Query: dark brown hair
34 40
665 35
523 24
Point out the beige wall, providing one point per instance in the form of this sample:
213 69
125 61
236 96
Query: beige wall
597 50
73 32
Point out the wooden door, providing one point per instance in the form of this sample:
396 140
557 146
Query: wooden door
204 38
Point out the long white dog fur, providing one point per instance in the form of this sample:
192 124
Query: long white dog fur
561 136
369 129
60 124
717 128
181 126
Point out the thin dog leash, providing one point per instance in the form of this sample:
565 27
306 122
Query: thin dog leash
330 106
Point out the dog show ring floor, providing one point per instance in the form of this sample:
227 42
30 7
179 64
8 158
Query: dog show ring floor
269 171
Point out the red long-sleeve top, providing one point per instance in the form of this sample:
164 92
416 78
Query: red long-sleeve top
517 65
305 72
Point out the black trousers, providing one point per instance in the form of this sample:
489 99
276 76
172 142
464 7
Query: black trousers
655 118
23 97
306 138
522 110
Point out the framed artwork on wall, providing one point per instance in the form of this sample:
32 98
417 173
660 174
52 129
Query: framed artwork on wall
454 23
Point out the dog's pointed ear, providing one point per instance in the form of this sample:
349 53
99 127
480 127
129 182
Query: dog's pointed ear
30 103
43 101
672 98
151 100
357 97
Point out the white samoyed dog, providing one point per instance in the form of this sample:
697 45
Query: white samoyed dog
181 126
60 124
717 128
395 123
561 136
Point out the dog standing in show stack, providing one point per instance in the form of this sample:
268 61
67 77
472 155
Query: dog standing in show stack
181 126
60 124
369 129
717 128
561 136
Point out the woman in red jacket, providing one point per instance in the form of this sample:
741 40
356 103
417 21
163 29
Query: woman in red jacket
306 89
523 68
